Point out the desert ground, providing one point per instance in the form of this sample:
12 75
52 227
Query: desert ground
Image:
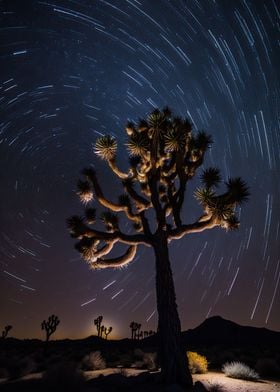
233 385
215 381
209 379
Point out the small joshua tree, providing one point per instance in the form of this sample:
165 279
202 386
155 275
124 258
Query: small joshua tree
134 327
107 331
165 155
138 333
102 330
98 322
50 326
6 330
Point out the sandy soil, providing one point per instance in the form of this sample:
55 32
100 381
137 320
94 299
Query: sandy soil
233 385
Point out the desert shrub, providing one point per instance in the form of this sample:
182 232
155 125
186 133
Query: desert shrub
239 370
64 377
93 361
197 363
149 360
268 367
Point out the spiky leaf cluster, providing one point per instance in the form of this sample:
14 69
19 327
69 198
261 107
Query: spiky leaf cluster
84 191
222 207
76 226
106 147
138 144
205 196
238 190
175 140
211 177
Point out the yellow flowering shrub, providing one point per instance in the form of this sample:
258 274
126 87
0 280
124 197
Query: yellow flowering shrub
197 363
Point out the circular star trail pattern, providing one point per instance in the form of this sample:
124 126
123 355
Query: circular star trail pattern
72 70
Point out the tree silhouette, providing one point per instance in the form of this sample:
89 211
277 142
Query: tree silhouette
134 327
6 330
107 331
102 330
138 333
50 326
165 155
98 322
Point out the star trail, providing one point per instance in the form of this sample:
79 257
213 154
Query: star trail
74 70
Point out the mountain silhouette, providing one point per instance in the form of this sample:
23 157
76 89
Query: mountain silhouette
216 330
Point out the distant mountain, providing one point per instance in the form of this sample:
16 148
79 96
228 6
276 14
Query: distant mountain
213 331
216 330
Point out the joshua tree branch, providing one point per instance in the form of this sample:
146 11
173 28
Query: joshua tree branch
198 226
108 204
117 262
135 239
115 169
105 249
139 200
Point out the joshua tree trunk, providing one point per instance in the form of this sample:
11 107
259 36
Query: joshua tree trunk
173 358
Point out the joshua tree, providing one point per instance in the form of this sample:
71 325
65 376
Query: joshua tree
50 326
138 333
148 333
107 331
134 327
165 155
98 322
102 329
6 331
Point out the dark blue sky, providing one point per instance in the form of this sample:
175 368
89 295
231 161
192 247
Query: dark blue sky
72 70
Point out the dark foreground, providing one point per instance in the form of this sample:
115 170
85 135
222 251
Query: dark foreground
66 365
128 380
144 382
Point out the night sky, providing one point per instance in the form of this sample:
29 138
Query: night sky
74 70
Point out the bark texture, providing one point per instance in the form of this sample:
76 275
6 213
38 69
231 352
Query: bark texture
172 355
